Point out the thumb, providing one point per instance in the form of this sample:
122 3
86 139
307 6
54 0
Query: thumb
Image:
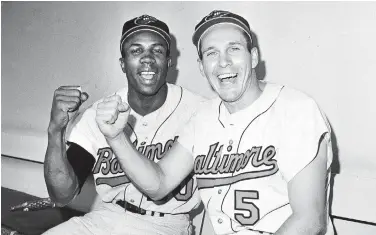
123 107
84 96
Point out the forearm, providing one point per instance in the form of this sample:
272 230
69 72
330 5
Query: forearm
145 174
61 181
302 225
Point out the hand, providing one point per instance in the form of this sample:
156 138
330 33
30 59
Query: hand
66 102
112 116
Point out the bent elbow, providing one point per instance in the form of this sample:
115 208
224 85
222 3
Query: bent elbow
318 226
159 192
61 201
157 197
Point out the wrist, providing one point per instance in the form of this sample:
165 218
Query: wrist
53 130
116 138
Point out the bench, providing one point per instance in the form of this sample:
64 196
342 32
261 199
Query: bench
33 222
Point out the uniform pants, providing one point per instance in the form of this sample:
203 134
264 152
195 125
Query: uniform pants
112 219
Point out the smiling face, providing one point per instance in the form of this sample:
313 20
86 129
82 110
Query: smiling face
226 61
145 62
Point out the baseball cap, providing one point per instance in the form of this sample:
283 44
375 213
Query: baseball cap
218 17
148 23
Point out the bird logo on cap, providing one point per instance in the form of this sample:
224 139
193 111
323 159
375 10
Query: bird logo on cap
145 19
216 14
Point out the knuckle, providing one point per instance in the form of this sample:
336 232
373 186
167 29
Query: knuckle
76 99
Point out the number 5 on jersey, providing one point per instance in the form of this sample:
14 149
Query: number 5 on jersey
242 203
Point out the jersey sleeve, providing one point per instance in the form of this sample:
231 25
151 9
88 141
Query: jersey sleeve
83 132
305 126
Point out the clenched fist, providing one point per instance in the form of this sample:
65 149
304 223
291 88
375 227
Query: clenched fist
66 102
112 116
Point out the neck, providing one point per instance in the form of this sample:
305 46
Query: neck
144 105
252 92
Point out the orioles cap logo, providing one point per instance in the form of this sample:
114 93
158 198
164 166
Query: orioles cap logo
216 14
144 20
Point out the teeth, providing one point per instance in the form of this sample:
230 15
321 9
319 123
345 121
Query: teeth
227 76
147 73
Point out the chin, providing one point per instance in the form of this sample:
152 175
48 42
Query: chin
229 96
150 90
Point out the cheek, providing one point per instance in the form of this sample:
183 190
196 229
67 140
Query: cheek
131 65
209 68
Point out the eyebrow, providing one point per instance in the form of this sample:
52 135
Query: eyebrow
208 49
153 45
230 43
234 43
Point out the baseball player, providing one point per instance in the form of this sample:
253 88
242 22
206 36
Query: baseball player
156 109
261 152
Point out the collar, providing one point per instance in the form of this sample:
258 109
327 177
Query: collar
258 107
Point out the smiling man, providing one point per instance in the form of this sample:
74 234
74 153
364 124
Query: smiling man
156 111
261 152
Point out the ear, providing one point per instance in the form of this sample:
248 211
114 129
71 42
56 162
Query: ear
201 67
255 57
169 62
122 64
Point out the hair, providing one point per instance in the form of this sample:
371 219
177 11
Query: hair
247 38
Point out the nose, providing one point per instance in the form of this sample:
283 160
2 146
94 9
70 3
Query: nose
147 58
224 60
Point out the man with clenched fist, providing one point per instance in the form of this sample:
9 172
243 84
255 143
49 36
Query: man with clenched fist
149 112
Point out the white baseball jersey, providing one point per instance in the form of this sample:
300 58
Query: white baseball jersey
244 161
152 135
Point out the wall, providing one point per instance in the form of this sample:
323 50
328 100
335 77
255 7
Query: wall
323 48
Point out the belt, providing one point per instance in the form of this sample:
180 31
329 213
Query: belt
135 209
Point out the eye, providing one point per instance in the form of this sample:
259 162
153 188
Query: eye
211 53
158 50
234 48
136 51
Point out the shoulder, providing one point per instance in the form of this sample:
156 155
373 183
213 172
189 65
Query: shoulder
188 101
297 106
186 95
208 109
293 99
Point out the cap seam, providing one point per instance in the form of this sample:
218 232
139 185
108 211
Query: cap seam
124 37
221 18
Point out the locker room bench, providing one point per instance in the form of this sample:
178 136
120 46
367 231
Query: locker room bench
29 223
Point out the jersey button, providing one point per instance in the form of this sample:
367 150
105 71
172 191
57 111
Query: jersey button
231 142
220 221
219 191
145 124
132 200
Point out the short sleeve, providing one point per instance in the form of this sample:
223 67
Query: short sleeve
304 127
187 135
82 131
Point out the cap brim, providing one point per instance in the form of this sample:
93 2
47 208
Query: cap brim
204 27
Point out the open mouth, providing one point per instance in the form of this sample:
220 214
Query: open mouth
148 77
227 77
